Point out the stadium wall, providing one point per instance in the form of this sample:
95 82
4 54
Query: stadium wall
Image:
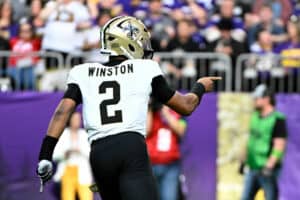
25 116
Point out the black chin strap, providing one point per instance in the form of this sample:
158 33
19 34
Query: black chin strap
148 54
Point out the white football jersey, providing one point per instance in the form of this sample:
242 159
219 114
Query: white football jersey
115 98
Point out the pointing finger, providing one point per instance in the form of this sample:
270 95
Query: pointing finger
215 78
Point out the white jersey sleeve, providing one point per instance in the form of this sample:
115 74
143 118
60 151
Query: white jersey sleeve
73 76
154 68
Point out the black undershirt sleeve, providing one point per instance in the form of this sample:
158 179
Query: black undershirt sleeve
280 130
73 92
161 91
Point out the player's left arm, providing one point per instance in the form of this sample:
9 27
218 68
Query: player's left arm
279 143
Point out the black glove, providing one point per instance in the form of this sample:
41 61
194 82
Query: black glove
45 170
267 172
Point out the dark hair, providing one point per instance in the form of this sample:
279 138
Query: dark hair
271 95
31 26
225 24
259 31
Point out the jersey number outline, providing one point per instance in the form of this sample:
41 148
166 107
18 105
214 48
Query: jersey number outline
117 117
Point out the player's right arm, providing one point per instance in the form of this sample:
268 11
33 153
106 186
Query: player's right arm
184 104
65 108
56 127
60 117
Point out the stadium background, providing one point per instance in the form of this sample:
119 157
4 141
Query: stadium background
210 151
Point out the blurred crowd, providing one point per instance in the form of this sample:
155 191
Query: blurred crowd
231 27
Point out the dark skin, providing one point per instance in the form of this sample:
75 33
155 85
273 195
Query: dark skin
60 117
186 104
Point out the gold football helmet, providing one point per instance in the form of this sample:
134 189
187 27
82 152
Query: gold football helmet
126 36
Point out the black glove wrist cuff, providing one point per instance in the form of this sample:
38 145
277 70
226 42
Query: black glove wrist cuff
47 148
198 89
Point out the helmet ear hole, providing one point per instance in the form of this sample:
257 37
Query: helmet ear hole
111 38
131 48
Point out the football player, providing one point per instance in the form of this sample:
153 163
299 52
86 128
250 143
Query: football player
115 98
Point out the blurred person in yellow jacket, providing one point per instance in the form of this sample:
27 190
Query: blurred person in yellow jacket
72 154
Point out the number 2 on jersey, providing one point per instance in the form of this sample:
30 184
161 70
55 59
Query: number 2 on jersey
117 117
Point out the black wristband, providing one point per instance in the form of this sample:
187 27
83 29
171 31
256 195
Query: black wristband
198 89
47 148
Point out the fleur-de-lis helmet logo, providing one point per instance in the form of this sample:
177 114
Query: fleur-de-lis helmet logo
131 31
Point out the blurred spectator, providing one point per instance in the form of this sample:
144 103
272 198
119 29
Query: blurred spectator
129 7
96 7
201 24
178 14
290 50
226 44
8 29
4 46
65 20
37 22
21 66
282 9
266 147
184 4
183 40
92 39
243 7
267 22
296 7
72 154
226 9
20 9
186 8
162 25
112 6
264 43
180 9
265 47
165 128
200 15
